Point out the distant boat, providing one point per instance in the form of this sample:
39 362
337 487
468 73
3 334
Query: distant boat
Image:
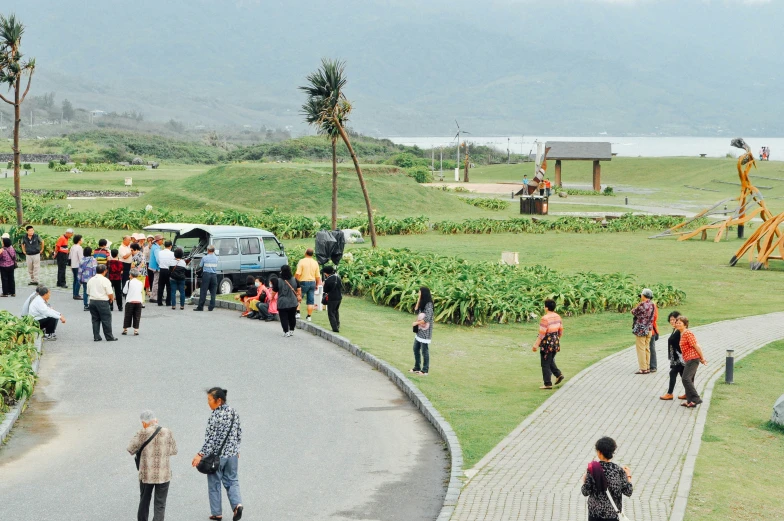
602 133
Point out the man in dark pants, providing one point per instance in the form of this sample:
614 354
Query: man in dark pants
101 294
549 339
61 256
333 290
209 279
154 466
165 262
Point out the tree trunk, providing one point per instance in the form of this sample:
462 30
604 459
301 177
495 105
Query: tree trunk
334 183
371 226
465 174
17 154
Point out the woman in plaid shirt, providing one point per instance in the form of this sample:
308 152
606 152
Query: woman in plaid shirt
692 357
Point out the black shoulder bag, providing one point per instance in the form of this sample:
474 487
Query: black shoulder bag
138 455
209 464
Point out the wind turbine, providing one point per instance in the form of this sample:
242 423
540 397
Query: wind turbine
457 162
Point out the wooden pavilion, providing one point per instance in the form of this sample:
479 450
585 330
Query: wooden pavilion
579 151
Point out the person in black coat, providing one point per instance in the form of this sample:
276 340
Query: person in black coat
333 293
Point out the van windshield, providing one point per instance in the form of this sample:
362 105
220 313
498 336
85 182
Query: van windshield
186 243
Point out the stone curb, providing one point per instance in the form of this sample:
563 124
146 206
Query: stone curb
414 394
16 410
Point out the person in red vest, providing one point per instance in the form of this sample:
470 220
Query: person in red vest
61 256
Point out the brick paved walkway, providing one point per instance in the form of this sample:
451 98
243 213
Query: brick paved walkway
535 473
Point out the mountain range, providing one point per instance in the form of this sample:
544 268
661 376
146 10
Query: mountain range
499 67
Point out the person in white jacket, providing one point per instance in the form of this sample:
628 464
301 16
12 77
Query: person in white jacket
38 307
133 290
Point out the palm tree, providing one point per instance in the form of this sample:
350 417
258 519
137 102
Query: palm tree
312 112
327 100
12 69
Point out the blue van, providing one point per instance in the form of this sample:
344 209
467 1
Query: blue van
241 251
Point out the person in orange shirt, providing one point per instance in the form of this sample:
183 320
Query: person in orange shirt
61 256
309 278
654 337
549 339
547 187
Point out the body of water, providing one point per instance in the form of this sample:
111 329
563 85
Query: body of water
623 146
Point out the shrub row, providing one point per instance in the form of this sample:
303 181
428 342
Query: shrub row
17 353
479 293
487 204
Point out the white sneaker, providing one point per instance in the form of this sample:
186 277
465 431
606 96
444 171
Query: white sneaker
309 320
298 315
287 334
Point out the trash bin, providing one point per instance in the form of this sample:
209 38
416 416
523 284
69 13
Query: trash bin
534 205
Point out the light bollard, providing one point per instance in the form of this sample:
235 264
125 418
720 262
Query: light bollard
729 370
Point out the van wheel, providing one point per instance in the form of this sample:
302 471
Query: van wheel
225 286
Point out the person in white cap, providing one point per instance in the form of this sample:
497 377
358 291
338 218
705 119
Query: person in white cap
642 328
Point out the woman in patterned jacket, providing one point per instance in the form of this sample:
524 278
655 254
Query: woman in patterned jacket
223 430
602 477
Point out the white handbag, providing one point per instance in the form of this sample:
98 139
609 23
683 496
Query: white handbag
621 515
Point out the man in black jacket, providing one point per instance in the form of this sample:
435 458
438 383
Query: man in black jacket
333 291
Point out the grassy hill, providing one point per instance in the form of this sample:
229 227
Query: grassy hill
306 189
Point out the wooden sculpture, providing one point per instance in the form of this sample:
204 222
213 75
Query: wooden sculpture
768 239
533 185
750 204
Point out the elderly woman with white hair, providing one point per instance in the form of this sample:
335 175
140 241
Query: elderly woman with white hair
152 446
134 298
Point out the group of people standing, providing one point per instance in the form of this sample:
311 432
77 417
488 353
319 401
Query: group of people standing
764 154
683 351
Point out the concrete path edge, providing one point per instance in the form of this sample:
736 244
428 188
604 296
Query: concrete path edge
16 410
414 394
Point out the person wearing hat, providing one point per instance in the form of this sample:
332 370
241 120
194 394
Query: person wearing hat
642 328
125 255
61 256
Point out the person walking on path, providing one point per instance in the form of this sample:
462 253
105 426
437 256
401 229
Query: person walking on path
178 272
549 344
423 329
138 263
61 256
114 269
153 267
125 255
675 357
692 357
86 271
307 275
223 432
75 256
209 279
102 253
153 446
43 313
642 328
7 267
134 302
165 262
654 337
32 246
289 295
101 294
333 293
605 480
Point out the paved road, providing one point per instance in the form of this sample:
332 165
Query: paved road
325 436
535 473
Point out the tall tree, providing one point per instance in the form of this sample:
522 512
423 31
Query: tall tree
325 95
312 111
12 70
67 110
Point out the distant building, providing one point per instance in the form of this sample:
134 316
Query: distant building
97 113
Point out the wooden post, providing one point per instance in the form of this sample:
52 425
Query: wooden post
597 174
558 173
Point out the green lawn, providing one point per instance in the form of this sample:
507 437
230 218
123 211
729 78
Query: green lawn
740 467
664 178
485 380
